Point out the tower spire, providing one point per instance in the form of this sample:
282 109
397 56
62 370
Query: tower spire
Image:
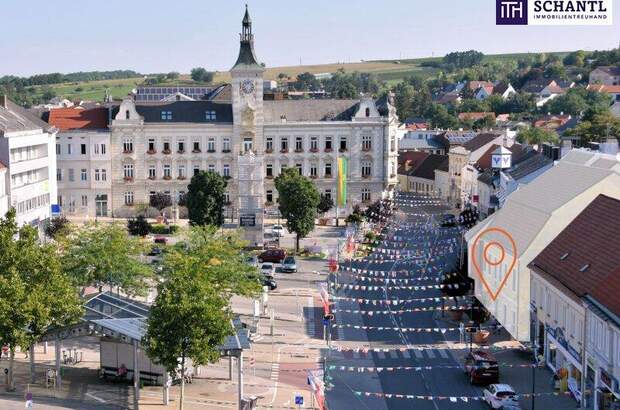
247 57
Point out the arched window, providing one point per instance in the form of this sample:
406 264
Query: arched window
367 112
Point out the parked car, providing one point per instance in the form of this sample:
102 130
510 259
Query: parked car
252 261
272 255
267 269
155 251
448 220
277 230
160 239
289 264
270 283
481 367
499 396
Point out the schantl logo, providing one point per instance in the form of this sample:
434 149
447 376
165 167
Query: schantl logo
576 6
511 12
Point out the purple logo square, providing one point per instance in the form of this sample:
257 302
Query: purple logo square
511 12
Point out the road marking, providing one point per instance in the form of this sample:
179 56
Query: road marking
381 355
92 396
356 355
418 353
443 353
430 353
393 354
406 354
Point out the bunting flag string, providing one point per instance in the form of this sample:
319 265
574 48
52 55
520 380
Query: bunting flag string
362 272
441 330
395 302
403 311
413 288
366 350
395 280
453 399
374 369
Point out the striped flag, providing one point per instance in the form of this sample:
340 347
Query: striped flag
342 181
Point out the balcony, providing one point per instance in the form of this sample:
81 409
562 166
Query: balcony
128 179
313 176
166 152
226 151
341 150
329 176
314 150
211 151
181 151
127 151
269 151
284 151
151 152
299 150
196 151
181 177
269 177
167 177
328 150
367 176
152 178
366 149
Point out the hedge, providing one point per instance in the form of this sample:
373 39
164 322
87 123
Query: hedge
161 229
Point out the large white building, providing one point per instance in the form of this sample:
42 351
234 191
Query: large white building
533 216
27 152
157 147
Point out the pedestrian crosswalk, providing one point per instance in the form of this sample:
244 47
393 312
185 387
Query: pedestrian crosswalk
393 354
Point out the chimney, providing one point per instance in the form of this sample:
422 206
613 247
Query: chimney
4 101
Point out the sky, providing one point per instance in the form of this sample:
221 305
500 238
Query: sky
42 36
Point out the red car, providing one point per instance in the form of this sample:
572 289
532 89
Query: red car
481 367
160 240
272 255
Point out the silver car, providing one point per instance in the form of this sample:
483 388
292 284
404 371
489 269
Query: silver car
289 264
500 396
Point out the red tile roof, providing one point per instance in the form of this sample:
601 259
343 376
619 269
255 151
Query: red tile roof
78 118
610 89
585 256
411 158
479 141
474 85
484 161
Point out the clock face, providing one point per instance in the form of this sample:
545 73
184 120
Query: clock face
247 86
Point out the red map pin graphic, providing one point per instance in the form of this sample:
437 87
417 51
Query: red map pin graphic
495 245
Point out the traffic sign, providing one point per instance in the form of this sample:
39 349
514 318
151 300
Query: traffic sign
299 399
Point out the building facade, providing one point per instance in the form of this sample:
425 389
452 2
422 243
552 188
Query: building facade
27 150
4 198
157 147
84 164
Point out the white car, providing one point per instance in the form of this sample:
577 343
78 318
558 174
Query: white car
499 395
277 230
267 269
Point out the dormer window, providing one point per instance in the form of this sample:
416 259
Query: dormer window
166 115
210 115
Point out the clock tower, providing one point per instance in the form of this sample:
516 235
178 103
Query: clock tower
247 101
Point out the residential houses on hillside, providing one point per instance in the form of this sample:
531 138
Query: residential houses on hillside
607 75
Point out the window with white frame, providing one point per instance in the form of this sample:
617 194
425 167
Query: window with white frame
269 170
211 167
152 172
181 146
314 143
366 142
128 145
128 170
211 144
166 147
269 196
226 144
300 168
196 169
102 149
69 149
284 144
226 170
328 143
328 194
299 144
151 145
104 175
166 115
196 147
57 149
365 195
167 171
210 115
71 175
313 171
269 144
343 143
84 200
181 171
58 174
83 174
129 198
328 169
366 169
226 197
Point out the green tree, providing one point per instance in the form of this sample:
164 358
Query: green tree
325 204
596 128
160 200
298 200
403 100
138 226
307 82
205 199
191 315
576 58
487 122
201 75
172 75
105 254
537 136
35 294
440 117
58 227
355 217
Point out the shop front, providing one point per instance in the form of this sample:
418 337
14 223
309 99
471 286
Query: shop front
565 362
607 394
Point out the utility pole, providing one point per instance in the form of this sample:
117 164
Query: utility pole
535 354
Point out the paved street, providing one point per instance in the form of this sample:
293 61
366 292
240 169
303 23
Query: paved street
414 256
